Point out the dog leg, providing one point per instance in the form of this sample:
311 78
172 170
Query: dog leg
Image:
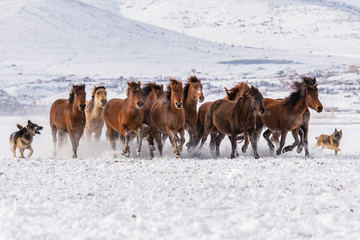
31 152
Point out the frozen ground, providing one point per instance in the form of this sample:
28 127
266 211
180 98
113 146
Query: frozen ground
100 197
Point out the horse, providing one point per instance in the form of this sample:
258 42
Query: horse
192 94
94 113
68 116
304 127
283 115
151 93
125 116
233 94
168 116
231 118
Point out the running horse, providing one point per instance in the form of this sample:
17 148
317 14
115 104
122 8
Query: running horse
125 116
233 118
284 115
94 113
68 116
192 94
168 116
151 93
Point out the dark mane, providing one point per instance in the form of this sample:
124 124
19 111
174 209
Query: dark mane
74 89
191 79
233 92
95 89
296 94
309 80
148 88
131 85
168 89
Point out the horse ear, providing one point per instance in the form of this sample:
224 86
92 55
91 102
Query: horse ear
139 83
162 87
227 91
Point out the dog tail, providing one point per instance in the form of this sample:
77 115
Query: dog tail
19 126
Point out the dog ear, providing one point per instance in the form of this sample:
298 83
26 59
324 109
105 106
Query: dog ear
19 126
335 130
29 122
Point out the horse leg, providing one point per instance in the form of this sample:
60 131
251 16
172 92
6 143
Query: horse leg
173 142
212 143
266 135
53 133
282 142
253 141
150 138
98 135
233 145
126 149
159 142
295 134
182 139
246 144
189 144
139 142
74 144
112 134
305 129
218 141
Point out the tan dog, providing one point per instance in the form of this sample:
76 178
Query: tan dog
22 139
330 142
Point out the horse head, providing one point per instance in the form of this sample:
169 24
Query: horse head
176 93
194 87
257 100
312 97
99 96
78 96
134 93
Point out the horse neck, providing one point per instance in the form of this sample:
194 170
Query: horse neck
190 103
299 108
97 109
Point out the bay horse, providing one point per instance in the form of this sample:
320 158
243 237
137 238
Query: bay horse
192 94
283 115
151 93
125 116
68 116
304 127
168 116
94 113
233 118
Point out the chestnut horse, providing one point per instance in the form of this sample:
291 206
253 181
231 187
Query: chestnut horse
192 94
233 118
68 116
168 116
94 113
125 116
151 93
283 115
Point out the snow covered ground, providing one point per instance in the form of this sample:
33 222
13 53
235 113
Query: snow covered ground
46 45
101 197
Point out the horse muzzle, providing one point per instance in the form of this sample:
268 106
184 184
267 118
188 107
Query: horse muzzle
103 102
82 107
262 111
178 105
140 104
319 109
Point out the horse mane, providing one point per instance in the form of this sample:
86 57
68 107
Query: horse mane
131 84
168 89
148 88
233 92
249 93
294 97
74 89
309 80
191 79
94 91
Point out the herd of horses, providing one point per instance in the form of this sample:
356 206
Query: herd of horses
155 114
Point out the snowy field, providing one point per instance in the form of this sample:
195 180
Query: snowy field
101 197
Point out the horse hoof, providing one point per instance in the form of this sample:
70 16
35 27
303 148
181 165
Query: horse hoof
232 156
278 152
138 153
178 156
299 149
256 156
243 149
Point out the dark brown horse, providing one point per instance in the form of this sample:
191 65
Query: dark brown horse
168 116
283 115
192 94
304 127
125 116
151 93
233 118
68 116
